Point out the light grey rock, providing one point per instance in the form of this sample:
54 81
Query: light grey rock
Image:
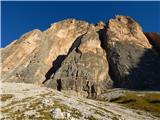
57 114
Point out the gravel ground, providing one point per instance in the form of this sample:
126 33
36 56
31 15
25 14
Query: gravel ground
31 102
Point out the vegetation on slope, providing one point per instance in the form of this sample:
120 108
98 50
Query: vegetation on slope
149 102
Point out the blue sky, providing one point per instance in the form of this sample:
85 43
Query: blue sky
21 17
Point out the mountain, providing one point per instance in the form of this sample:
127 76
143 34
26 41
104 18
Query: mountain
86 58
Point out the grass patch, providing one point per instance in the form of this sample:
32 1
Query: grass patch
44 115
5 97
91 118
149 102
114 118
76 113
99 112
63 107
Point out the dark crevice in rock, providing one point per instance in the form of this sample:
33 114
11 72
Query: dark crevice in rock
77 74
59 85
57 63
88 89
93 91
103 39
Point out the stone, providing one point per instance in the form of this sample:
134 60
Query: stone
133 62
57 114
47 102
67 115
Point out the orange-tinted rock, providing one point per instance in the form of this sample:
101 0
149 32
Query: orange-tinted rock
38 56
29 58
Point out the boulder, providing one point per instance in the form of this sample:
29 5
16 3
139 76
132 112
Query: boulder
57 114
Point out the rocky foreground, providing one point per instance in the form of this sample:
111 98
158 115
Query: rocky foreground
21 101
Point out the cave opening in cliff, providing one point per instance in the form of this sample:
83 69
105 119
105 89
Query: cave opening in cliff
59 85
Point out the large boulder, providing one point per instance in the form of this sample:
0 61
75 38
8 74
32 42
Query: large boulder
133 62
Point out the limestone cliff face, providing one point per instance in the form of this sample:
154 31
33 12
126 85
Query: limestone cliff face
22 59
69 51
87 58
29 58
133 62
85 68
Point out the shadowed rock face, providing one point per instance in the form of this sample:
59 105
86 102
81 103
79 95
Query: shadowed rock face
154 39
76 55
133 62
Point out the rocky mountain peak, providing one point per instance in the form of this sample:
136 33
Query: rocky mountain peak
124 28
87 58
131 57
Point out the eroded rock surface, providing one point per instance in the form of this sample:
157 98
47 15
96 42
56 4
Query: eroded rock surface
87 58
66 56
133 62
29 58
85 69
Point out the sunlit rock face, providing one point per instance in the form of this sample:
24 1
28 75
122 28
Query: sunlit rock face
133 62
22 59
30 57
